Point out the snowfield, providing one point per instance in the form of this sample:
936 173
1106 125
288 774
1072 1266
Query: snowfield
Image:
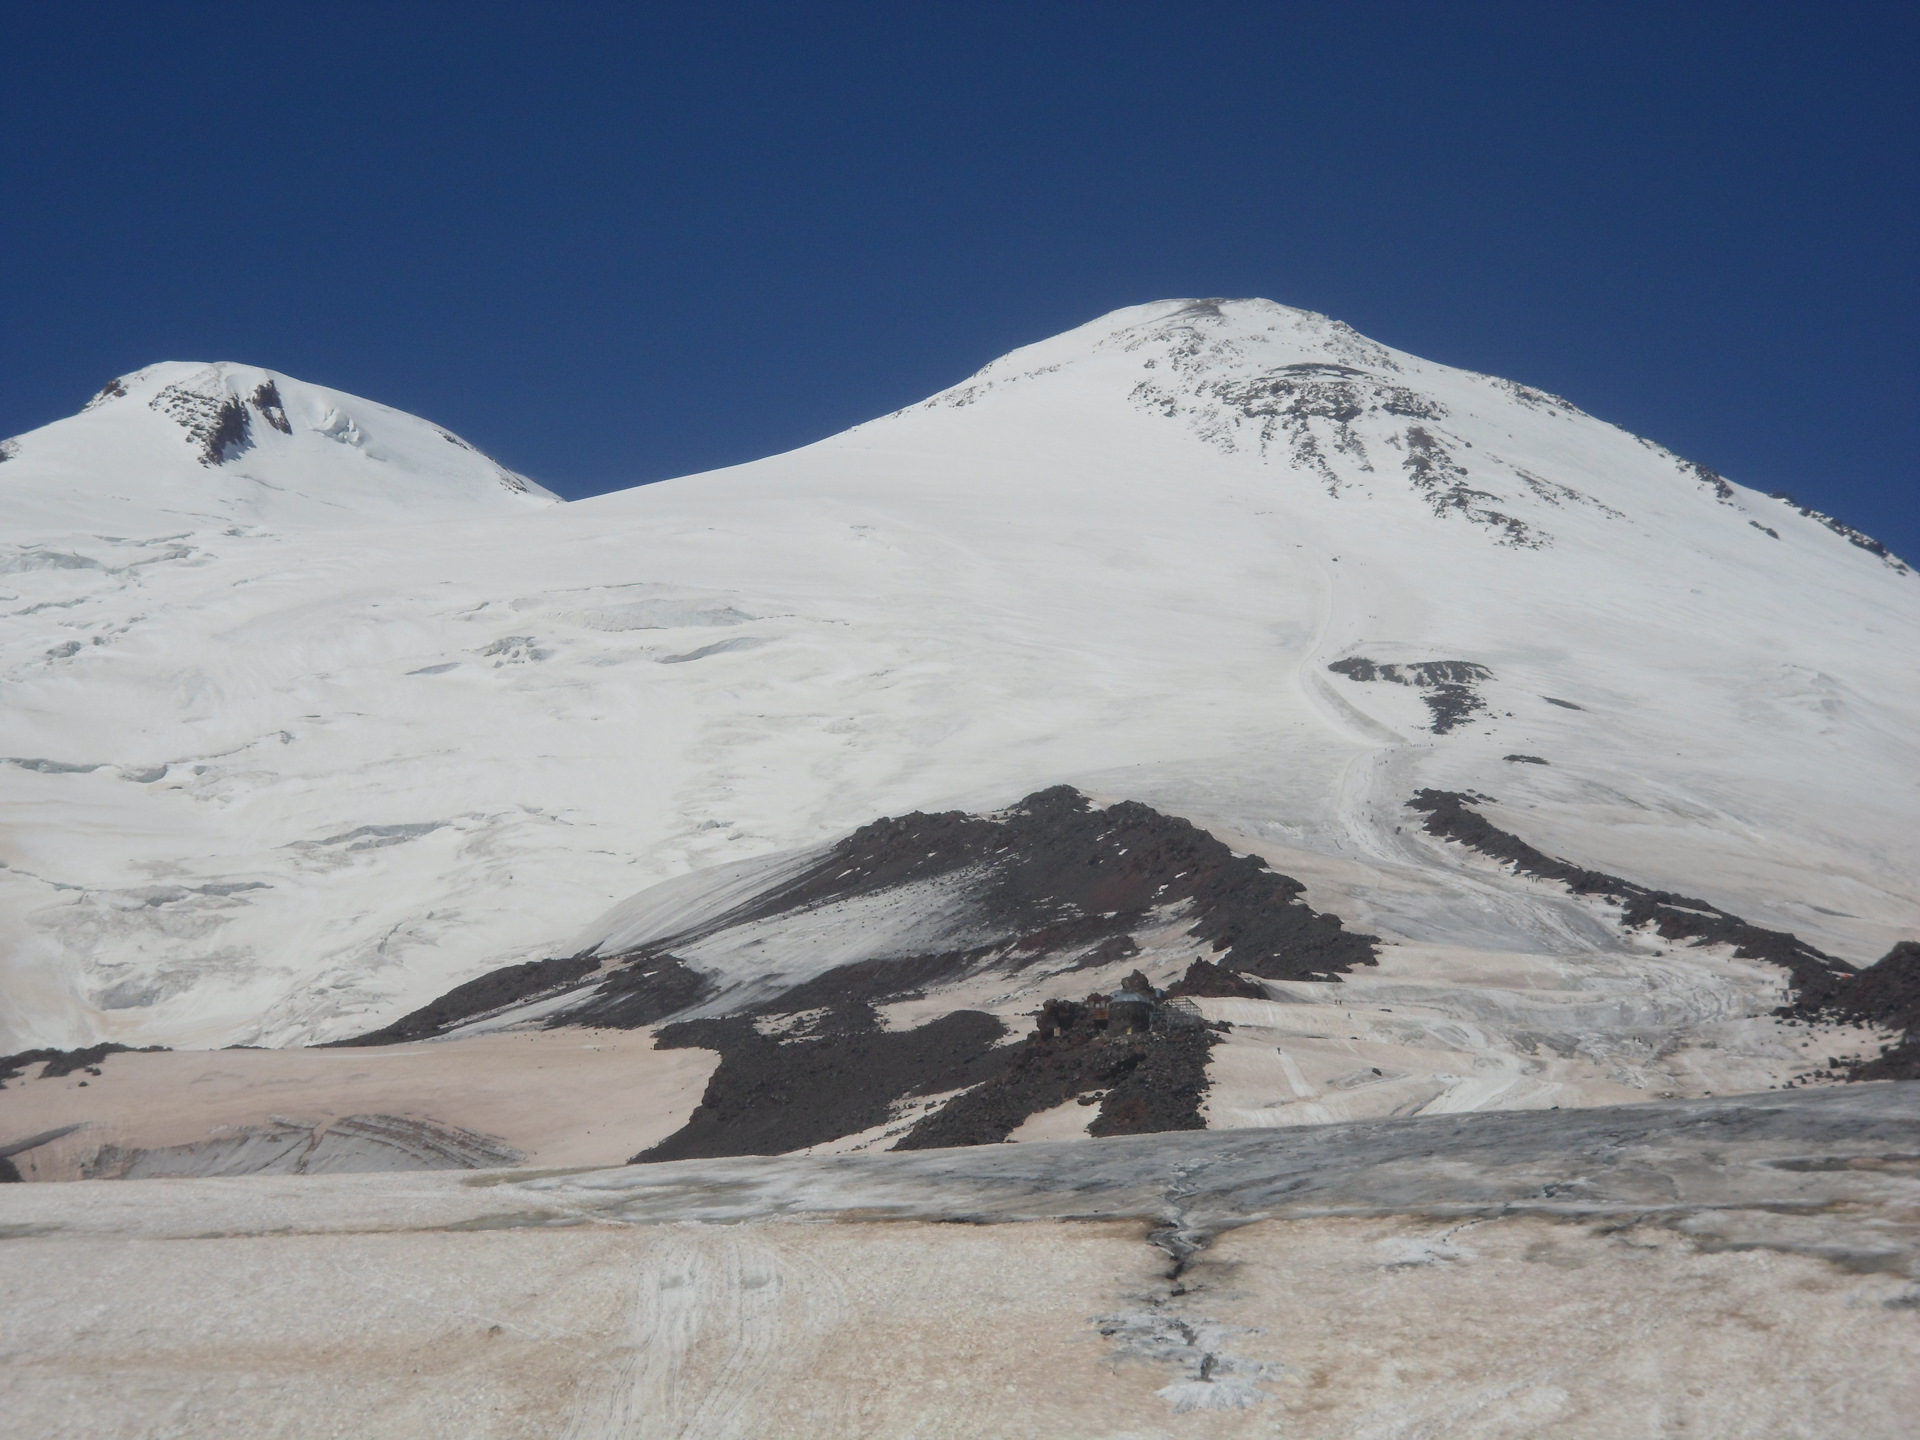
1323 775
1716 1267
300 739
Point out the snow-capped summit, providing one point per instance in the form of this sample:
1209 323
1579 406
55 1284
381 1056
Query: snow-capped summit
1308 394
183 445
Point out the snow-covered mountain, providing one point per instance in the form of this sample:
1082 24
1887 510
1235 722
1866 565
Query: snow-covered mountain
231 448
281 769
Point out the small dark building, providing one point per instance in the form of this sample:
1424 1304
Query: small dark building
1129 1013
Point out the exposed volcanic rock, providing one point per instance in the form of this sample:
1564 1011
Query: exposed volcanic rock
1845 531
1204 979
814 1065
1885 995
849 989
1433 471
1147 1079
1052 871
1114 947
1712 479
1451 705
213 418
1052 880
115 389
1816 976
497 988
785 1091
643 989
1895 1062
1426 673
1053 874
1321 415
56 1063
1285 407
266 399
1448 683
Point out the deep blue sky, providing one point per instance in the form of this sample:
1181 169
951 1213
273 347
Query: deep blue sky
611 244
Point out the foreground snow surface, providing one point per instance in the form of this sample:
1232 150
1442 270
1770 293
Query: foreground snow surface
284 762
1729 1267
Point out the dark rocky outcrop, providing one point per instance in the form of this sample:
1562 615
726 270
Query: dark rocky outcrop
1441 479
1050 877
214 420
228 433
642 989
1144 1080
1204 979
1711 479
266 399
1673 917
813 1083
1845 531
115 389
796 1077
849 989
1885 995
1054 873
1424 673
1050 881
56 1063
1448 684
492 991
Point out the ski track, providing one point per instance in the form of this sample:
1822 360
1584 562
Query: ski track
710 1310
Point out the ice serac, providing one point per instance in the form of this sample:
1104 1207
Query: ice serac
279 770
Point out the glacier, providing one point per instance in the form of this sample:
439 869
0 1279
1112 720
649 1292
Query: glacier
298 739
1460 813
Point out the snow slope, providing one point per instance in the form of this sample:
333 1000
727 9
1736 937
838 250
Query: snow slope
1720 1268
275 779
189 447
